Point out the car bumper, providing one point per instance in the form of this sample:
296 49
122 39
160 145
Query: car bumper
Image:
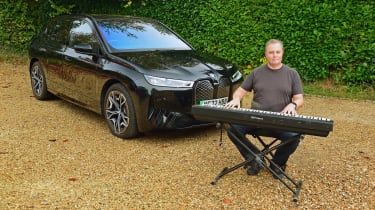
170 109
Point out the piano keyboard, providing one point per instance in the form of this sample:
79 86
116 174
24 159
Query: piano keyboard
308 125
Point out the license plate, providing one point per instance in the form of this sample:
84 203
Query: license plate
216 102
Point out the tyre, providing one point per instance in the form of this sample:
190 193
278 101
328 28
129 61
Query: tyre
38 82
119 112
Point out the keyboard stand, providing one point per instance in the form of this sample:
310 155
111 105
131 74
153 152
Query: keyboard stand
262 158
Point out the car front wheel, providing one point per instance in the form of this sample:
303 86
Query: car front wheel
38 82
119 112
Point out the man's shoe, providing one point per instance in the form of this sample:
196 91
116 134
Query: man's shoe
279 173
254 168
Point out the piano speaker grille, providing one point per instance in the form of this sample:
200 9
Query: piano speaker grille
204 90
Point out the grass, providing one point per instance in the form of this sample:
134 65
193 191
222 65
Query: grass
17 58
321 88
326 88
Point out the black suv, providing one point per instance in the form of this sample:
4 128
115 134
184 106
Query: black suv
136 72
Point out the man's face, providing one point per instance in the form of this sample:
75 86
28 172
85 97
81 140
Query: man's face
274 54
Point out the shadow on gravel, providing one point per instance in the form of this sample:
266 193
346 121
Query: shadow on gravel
155 135
190 133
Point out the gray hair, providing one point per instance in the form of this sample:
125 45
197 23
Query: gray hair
274 41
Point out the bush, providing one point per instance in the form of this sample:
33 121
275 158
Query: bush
16 29
323 39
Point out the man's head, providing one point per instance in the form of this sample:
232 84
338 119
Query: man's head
274 52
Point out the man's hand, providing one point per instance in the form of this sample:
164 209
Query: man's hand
290 109
237 97
235 103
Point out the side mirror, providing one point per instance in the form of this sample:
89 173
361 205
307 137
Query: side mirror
84 49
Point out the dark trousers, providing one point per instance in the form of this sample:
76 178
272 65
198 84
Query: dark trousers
282 153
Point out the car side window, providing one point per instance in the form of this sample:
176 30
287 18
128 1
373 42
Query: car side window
82 34
57 31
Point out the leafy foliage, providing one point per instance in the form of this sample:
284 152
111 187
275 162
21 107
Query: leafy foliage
323 39
16 28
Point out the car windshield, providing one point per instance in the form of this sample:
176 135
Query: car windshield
137 35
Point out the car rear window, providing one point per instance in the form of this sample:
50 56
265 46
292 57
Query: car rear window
129 35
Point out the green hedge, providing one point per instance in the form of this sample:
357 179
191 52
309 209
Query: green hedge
323 39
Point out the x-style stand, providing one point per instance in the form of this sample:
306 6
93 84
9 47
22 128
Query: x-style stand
260 158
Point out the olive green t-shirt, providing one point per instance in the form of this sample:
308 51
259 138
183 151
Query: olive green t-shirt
273 89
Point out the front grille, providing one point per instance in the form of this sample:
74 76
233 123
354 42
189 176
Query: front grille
205 90
224 87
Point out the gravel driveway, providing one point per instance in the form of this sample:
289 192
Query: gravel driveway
54 155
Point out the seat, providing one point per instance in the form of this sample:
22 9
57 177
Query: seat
264 159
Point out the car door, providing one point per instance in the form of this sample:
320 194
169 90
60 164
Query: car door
55 40
81 68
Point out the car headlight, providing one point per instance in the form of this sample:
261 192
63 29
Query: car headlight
236 76
165 82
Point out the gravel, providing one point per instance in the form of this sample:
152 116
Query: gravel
54 155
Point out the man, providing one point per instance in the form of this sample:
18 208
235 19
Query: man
277 88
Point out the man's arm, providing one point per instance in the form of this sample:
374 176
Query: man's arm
238 94
298 100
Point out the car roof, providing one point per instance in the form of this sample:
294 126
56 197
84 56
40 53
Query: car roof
95 17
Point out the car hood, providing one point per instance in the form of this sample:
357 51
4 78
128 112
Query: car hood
186 65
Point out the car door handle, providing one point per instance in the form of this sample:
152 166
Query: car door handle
67 58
